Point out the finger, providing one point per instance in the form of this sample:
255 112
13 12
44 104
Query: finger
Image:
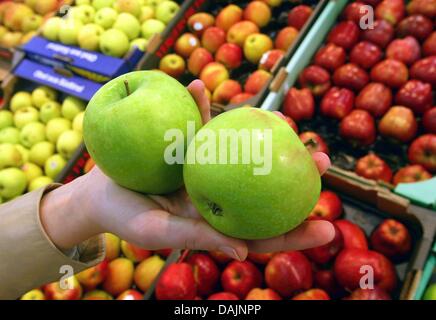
309 234
158 229
322 162
196 88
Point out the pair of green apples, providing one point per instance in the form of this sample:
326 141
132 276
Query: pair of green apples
246 171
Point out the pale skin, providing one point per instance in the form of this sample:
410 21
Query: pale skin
94 204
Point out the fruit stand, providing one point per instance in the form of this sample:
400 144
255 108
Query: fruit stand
355 80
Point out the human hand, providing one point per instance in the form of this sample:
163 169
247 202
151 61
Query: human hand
97 204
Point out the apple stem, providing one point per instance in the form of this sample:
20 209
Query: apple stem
126 84
310 142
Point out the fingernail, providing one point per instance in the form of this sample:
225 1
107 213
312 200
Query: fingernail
229 251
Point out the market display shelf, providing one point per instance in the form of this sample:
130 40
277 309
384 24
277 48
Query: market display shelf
428 274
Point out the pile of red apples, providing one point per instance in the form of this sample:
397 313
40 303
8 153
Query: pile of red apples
215 47
378 84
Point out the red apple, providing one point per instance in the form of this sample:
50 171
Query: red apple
92 277
358 127
369 294
425 70
345 34
375 98
173 65
241 97
225 91
355 11
325 279
350 266
258 12
316 79
299 15
206 273
416 95
198 59
391 72
240 31
337 102
406 50
130 294
330 57
391 238
285 38
53 291
312 294
429 46
223 296
220 257
380 34
133 252
288 272
398 123
164 252
328 207
177 282
213 38
240 277
373 167
350 76
260 258
411 173
292 123
325 253
423 151
354 237
417 26
313 142
425 7
257 81
186 44
270 59
262 294
199 22
391 10
429 120
230 55
299 104
365 54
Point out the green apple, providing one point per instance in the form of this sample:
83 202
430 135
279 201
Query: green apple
68 143
10 135
49 110
119 113
23 151
71 107
13 183
20 100
42 95
78 122
39 182
32 133
106 17
99 4
54 165
31 171
153 3
166 11
84 13
69 31
55 127
279 190
24 116
10 156
139 43
430 293
40 152
151 27
1 200
147 12
50 29
31 23
89 37
6 119
128 24
114 42
129 6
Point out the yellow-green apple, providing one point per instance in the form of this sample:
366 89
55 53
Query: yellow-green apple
49 110
3 31
199 22
131 294
11 39
54 165
84 13
151 27
240 31
89 37
134 253
97 295
228 16
46 6
166 11
147 12
23 151
258 12
269 215
10 156
71 107
80 2
186 44
119 276
226 91
113 244
285 38
130 6
198 59
6 119
20 100
139 43
24 116
69 31
28 36
256 45
31 23
270 59
153 3
213 74
230 55
128 24
173 65
273 3
262 294
55 127
54 290
256 81
50 28
147 271
31 171
35 294
106 17
430 292
92 277
213 38
39 182
32 133
14 16
133 164
114 42
78 122
398 123
68 142
42 95
99 4
10 135
13 183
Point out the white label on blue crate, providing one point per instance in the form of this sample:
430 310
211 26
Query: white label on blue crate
70 51
41 75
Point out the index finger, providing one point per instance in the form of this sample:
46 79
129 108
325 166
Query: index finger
197 90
